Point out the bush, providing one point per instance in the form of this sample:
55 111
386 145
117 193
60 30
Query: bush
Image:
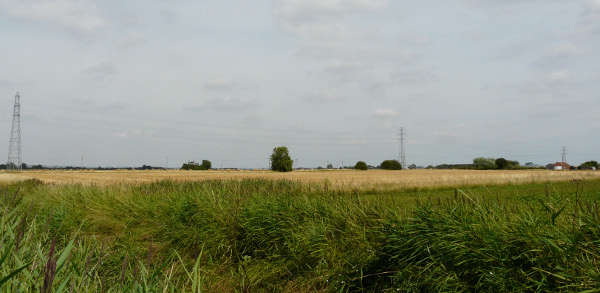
391 165
360 165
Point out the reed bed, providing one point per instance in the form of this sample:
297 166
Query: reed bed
289 236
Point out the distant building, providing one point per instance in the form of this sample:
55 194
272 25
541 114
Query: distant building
558 166
192 163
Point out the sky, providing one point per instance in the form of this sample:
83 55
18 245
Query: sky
126 83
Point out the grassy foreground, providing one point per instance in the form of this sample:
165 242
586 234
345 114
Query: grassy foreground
284 236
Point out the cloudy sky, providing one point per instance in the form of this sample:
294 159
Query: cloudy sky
126 83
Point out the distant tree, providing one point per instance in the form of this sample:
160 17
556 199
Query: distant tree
430 167
391 165
484 163
281 160
501 163
360 165
589 164
412 167
572 168
329 166
188 166
206 164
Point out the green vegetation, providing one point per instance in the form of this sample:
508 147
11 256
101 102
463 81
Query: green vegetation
484 163
206 164
391 165
281 160
589 164
360 165
283 236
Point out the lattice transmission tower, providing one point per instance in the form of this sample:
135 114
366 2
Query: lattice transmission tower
402 150
14 151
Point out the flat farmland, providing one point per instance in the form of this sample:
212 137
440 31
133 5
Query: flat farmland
339 179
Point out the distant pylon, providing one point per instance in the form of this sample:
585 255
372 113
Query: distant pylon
564 154
14 151
402 150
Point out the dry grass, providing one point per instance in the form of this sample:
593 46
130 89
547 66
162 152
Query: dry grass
342 179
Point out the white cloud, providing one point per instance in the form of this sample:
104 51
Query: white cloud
294 11
384 113
558 77
567 49
130 134
78 16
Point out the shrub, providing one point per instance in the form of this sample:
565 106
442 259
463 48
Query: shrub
391 165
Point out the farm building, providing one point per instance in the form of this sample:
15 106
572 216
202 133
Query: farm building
558 166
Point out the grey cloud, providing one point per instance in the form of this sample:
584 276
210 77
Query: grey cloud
76 16
233 104
130 39
417 76
102 70
474 34
324 97
559 54
219 84
116 106
6 83
197 107
130 18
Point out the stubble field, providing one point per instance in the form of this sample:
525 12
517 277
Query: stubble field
338 179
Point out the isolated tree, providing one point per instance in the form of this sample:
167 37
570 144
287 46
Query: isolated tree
330 166
206 164
412 167
360 165
391 165
484 163
281 160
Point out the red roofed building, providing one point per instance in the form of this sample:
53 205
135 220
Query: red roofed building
558 166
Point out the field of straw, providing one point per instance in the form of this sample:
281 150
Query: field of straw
339 179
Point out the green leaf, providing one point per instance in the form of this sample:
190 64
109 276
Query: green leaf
7 277
61 260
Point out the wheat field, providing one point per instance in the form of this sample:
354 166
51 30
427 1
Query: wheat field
341 179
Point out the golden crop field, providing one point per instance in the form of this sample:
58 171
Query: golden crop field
379 179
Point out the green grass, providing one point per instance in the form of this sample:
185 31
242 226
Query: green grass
283 236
